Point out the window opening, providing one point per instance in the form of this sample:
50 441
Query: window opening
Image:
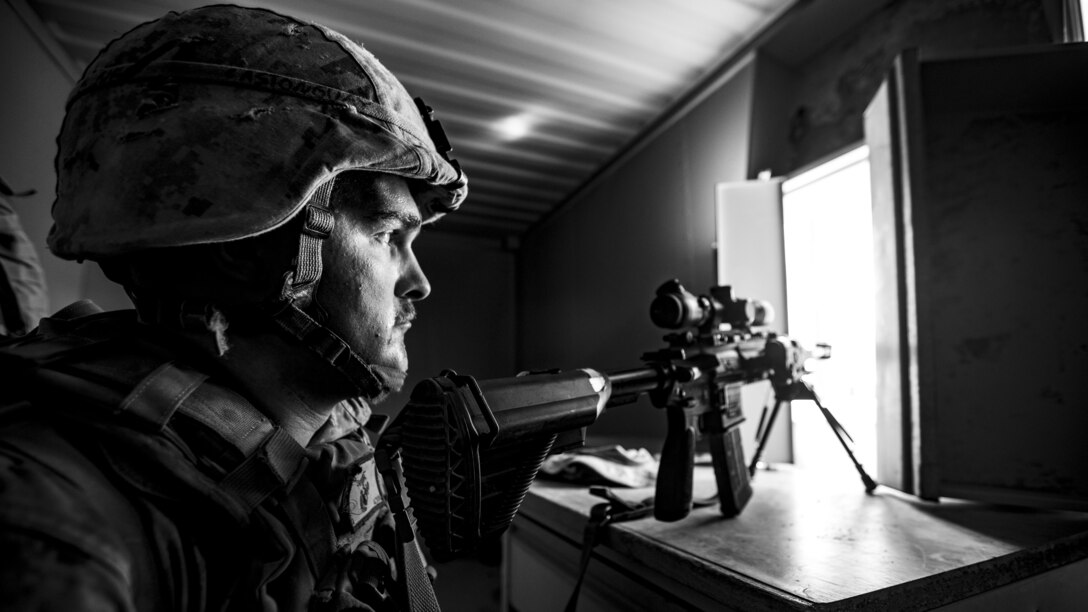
827 227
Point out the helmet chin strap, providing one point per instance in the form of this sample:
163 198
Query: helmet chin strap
289 312
330 348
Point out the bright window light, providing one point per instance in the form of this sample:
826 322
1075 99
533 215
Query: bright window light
827 221
1084 18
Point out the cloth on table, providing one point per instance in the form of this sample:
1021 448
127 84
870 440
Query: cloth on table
611 465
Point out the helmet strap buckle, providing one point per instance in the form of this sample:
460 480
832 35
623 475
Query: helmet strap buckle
301 283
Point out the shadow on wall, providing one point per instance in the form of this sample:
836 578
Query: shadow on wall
834 87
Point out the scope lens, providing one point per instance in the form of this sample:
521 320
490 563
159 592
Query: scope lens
762 313
667 311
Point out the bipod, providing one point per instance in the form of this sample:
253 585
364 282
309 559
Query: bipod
801 390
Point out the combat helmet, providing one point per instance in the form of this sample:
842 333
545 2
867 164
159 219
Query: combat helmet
223 123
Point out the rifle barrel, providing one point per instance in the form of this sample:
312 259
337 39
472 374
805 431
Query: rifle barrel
628 384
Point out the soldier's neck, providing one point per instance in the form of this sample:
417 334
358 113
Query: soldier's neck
284 381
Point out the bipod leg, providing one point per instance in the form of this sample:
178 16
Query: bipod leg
762 435
840 433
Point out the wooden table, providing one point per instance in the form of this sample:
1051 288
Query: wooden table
804 542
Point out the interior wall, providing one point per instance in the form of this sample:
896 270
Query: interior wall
588 274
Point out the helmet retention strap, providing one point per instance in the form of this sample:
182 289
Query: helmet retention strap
299 288
301 283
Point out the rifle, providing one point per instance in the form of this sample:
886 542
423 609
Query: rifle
471 449
720 346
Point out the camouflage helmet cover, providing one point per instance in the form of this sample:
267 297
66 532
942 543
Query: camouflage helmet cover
219 123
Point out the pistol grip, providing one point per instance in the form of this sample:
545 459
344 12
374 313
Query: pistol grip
672 497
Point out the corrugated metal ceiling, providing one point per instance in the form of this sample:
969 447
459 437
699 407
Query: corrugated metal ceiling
579 79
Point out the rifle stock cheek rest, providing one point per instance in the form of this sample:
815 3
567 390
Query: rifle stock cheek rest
470 449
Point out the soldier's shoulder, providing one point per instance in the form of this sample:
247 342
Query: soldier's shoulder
77 332
55 496
80 356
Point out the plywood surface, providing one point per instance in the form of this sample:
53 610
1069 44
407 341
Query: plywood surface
819 541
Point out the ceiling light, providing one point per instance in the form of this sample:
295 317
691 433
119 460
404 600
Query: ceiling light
514 127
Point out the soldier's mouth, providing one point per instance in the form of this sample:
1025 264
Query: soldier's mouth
405 317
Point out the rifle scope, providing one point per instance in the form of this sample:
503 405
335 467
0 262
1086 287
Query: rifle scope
675 307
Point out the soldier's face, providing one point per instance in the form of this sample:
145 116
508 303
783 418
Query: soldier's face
371 278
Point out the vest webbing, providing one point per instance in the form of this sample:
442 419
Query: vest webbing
272 457
272 461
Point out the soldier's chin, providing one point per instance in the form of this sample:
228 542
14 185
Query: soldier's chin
392 379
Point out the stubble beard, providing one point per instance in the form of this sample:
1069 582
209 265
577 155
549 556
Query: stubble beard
395 347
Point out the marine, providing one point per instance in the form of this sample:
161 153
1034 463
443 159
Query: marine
212 448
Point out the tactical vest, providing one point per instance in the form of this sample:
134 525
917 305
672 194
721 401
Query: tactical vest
113 374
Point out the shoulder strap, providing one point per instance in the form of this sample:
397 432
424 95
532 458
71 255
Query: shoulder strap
272 461
272 458
415 583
